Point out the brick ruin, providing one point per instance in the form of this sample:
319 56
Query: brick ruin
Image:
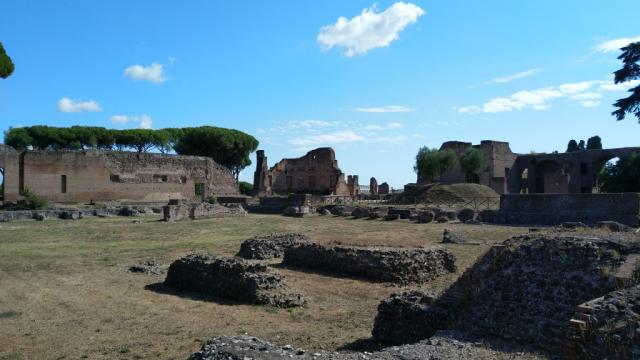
317 172
500 160
554 173
90 175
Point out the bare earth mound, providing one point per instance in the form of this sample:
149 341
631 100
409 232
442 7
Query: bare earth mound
449 192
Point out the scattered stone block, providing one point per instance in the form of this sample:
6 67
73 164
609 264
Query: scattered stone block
613 226
233 279
342 210
269 246
404 213
426 216
361 212
296 211
391 217
465 215
397 265
449 237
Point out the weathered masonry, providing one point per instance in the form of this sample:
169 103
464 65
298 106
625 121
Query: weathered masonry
317 172
561 173
90 175
500 160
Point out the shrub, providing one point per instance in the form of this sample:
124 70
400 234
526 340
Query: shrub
212 200
33 201
245 187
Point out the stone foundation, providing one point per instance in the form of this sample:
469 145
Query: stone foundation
269 246
524 291
232 279
177 212
380 264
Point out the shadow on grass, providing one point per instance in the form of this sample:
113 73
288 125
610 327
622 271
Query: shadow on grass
362 345
161 288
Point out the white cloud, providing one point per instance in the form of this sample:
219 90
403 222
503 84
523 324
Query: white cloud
586 93
520 75
373 127
119 119
153 73
72 106
144 121
370 29
337 137
615 44
385 109
394 125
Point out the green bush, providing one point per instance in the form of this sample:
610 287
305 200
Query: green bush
33 201
245 187
212 200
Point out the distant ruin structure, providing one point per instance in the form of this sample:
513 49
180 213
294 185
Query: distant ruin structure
383 189
373 186
353 185
90 175
317 172
500 160
556 173
562 173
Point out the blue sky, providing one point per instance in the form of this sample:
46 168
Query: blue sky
375 81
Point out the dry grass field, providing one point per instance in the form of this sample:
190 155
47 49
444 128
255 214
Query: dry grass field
65 292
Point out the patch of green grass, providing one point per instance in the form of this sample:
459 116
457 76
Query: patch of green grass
9 314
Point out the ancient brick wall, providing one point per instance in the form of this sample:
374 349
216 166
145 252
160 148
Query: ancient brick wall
500 161
83 176
553 209
316 172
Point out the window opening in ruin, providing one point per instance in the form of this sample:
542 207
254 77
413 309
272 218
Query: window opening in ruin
115 178
583 168
506 172
524 182
312 182
63 184
270 180
183 179
160 178
1 184
199 190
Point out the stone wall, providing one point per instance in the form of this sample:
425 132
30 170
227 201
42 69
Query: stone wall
553 209
500 161
233 279
184 211
85 176
316 172
524 291
396 265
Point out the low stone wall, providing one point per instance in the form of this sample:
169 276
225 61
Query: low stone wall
233 279
177 212
606 328
524 291
553 209
396 265
269 246
72 213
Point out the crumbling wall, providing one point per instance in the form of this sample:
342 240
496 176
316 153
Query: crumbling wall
524 291
184 211
85 176
233 279
316 172
269 246
553 209
398 265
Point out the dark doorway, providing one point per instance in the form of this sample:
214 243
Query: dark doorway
63 184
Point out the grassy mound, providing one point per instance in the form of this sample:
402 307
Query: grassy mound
449 192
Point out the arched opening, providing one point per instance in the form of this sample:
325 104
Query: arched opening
602 166
1 184
524 181
552 178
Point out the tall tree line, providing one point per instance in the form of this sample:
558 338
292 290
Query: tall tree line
228 147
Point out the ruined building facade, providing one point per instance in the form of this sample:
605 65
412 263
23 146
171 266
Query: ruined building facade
500 161
90 175
317 172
